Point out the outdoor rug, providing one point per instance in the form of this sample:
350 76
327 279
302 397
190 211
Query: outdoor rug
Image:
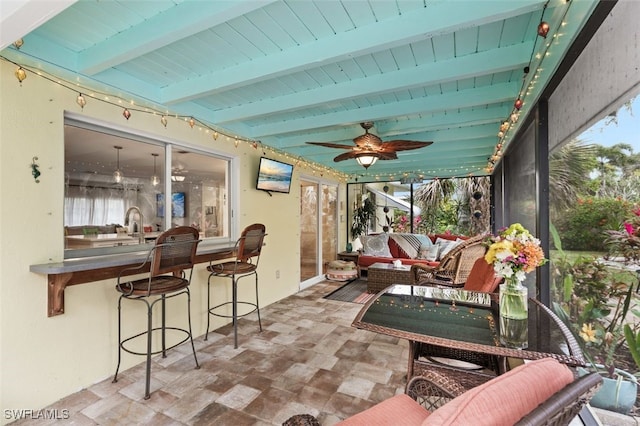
354 291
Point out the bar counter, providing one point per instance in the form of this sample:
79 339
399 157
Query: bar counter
84 270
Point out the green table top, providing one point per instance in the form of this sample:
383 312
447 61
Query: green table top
459 319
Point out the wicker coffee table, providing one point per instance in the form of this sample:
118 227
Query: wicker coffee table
382 275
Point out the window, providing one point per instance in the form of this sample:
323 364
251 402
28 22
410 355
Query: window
117 186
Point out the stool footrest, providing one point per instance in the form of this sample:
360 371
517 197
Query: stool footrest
255 308
144 333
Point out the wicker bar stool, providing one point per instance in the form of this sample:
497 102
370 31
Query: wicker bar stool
248 249
173 254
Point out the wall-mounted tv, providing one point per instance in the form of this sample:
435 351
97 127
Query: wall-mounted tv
274 176
177 204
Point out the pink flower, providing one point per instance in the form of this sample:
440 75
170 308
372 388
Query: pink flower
629 228
637 211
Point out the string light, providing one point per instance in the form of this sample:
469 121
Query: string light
80 100
542 30
21 75
163 120
126 114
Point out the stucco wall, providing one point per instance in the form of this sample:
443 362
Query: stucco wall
44 359
606 74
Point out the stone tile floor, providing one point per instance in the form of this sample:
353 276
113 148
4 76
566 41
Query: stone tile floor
307 360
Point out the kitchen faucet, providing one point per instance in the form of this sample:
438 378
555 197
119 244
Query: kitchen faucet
140 230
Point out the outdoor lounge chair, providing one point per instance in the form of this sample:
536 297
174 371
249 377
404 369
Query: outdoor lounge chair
541 392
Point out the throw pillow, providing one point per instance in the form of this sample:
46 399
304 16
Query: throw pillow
376 245
407 245
429 253
446 246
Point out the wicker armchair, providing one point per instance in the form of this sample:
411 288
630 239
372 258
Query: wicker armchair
542 392
454 267
434 390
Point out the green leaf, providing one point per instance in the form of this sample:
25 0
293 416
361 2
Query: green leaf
633 341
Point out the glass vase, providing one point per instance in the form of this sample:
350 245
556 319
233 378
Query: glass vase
514 315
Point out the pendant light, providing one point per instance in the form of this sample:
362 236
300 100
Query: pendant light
155 180
117 175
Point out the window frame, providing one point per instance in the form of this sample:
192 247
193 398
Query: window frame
231 184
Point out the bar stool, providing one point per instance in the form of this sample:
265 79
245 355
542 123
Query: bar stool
173 254
247 249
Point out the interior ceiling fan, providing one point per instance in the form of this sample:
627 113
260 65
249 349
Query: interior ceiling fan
369 147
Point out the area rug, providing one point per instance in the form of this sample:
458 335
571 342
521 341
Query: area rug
354 291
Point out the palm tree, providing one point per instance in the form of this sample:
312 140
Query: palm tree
569 169
469 197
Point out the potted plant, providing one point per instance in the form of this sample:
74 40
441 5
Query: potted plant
361 218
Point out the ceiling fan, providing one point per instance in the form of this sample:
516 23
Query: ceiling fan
369 147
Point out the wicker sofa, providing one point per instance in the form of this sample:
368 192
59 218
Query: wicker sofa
408 248
538 392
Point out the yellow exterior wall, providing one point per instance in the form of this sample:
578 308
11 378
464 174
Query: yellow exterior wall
44 359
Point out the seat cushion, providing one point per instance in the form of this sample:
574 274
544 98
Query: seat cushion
231 268
161 284
482 277
507 398
398 410
366 261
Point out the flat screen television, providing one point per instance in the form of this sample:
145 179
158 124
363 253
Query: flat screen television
177 204
274 176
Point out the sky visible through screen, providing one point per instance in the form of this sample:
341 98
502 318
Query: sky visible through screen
627 130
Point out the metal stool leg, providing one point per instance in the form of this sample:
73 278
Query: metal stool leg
115 376
206 335
235 311
193 347
147 393
164 327
258 304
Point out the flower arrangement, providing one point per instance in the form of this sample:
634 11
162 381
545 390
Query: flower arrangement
514 252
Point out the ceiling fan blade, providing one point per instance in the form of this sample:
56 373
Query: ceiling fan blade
391 155
403 145
331 145
345 156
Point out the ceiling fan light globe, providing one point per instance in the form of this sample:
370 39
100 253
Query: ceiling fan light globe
367 160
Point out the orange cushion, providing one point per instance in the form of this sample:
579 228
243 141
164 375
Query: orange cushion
400 409
482 277
505 399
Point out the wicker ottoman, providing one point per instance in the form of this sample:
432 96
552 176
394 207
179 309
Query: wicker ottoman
341 270
382 275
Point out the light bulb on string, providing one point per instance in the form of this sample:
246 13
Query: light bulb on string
543 29
80 100
20 74
126 114
163 120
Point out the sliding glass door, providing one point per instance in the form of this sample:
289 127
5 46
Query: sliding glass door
318 229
